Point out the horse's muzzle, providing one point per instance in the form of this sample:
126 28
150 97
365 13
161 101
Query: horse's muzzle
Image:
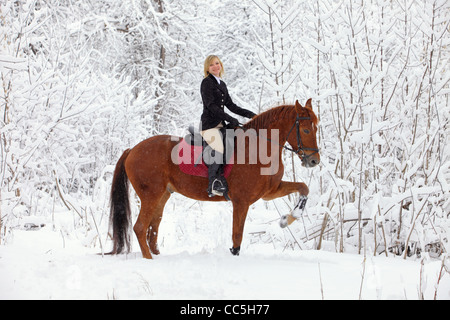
311 160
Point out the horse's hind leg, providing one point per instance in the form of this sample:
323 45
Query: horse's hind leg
152 233
149 209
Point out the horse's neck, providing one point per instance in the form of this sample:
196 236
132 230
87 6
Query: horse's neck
274 125
279 132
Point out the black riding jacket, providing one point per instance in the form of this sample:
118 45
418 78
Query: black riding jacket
215 97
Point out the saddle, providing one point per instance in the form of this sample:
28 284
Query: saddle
194 138
191 151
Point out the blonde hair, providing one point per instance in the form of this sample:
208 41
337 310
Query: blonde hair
208 61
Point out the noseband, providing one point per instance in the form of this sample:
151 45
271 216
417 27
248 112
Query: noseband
300 148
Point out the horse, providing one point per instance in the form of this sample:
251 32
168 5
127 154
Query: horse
150 168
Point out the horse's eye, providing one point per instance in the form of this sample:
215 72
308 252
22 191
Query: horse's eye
306 131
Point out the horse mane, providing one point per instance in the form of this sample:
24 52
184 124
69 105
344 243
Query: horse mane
264 119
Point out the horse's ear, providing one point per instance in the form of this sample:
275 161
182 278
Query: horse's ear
308 104
298 106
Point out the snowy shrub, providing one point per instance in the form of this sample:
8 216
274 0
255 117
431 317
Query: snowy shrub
83 81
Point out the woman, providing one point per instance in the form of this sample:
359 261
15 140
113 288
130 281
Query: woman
215 98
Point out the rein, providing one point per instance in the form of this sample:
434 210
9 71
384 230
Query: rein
300 147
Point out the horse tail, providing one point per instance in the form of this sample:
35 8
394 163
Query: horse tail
120 215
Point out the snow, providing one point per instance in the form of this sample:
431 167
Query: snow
43 265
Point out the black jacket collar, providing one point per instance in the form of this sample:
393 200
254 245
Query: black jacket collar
222 86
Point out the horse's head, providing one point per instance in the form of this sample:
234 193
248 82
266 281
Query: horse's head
302 136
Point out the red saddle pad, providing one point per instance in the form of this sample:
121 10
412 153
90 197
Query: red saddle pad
187 157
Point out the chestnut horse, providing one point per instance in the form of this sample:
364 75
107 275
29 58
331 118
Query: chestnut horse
154 176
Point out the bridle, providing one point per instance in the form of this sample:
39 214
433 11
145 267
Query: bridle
300 148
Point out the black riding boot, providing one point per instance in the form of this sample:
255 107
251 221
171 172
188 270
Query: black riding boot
217 183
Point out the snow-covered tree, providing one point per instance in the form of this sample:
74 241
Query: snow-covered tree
82 81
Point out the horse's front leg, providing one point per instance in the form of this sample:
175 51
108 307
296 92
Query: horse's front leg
285 188
239 216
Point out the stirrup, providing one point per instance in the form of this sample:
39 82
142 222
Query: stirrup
215 193
219 190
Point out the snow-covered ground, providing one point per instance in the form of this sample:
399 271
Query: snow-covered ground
42 264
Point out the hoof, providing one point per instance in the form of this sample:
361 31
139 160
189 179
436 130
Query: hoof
284 221
155 250
235 251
